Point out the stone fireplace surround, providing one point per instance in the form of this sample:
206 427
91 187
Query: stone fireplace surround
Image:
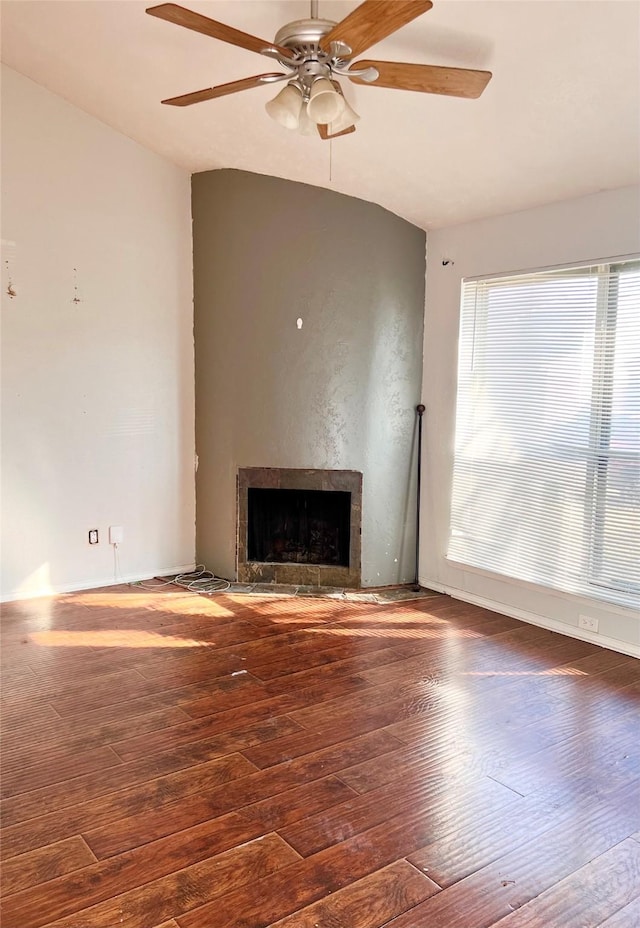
288 478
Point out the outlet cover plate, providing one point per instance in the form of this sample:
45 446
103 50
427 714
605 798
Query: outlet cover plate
588 623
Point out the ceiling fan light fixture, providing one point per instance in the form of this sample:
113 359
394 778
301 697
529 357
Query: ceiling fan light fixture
325 103
348 118
286 107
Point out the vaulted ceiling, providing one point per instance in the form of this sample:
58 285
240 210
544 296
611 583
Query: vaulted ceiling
560 118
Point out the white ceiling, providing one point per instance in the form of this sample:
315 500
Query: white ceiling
560 118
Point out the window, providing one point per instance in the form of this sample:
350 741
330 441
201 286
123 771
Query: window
546 481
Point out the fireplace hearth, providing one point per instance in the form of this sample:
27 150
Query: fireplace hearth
299 526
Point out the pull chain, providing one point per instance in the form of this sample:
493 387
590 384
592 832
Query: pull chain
330 159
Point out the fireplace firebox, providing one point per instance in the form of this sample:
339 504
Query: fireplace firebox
299 526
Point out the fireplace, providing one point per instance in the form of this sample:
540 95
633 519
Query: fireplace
299 526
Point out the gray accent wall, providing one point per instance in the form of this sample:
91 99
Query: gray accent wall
339 392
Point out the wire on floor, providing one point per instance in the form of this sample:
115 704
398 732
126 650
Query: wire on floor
198 580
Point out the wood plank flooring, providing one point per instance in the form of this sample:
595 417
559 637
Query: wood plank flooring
177 761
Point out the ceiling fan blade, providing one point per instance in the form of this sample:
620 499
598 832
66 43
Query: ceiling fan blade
210 93
373 21
190 20
323 132
426 78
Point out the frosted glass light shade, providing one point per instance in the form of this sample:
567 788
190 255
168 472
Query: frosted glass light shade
305 125
325 103
348 118
285 107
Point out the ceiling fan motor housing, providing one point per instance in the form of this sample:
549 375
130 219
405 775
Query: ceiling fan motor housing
310 61
304 35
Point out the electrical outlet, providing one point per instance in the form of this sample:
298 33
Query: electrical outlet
588 623
93 536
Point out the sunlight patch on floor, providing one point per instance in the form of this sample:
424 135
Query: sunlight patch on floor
178 603
113 638
552 672
395 632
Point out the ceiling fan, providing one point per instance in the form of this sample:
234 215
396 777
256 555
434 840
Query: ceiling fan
314 52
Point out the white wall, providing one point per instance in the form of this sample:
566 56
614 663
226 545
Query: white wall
603 225
97 415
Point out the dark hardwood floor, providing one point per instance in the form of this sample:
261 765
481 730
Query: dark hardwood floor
176 761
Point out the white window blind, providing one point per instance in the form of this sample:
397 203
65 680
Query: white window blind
546 481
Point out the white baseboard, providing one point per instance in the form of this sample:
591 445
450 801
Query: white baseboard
571 631
97 582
